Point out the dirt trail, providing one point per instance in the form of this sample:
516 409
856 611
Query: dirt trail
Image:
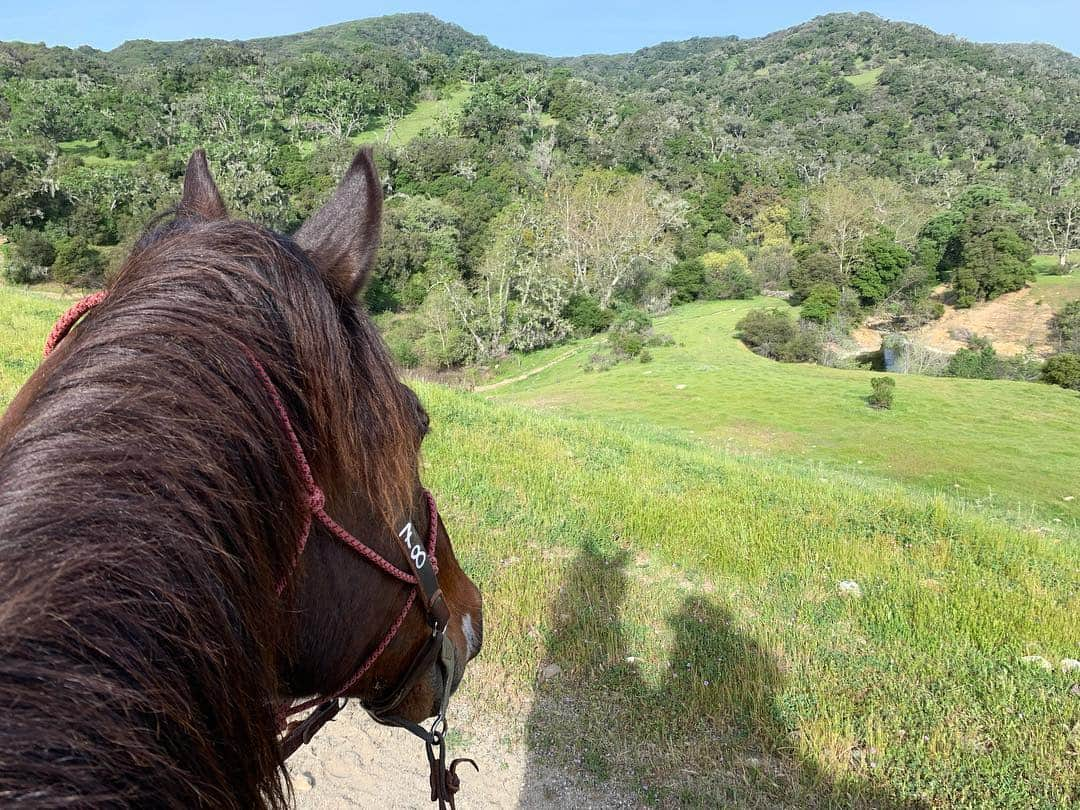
530 373
354 762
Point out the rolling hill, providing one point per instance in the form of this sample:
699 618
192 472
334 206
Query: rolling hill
1003 446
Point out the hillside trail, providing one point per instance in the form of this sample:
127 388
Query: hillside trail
531 372
354 762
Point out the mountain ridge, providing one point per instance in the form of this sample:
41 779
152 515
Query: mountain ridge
406 31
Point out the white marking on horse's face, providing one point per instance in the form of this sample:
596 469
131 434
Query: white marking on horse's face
470 635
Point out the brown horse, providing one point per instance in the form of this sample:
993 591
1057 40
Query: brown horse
153 504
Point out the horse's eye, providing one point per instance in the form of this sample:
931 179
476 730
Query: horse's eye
422 418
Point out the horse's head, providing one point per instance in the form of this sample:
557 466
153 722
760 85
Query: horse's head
357 631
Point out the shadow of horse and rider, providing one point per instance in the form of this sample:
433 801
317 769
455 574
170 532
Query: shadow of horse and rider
642 741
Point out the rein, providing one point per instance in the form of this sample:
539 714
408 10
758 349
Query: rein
437 650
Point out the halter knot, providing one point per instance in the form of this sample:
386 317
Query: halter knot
316 500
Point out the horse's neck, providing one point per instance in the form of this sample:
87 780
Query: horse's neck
135 664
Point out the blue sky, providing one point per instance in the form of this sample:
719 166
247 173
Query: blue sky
554 27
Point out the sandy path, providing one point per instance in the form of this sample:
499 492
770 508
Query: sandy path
354 762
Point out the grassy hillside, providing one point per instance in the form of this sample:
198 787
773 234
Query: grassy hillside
424 116
1007 446
684 605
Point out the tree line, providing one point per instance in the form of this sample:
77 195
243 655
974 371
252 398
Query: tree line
850 164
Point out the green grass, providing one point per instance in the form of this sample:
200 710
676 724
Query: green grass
25 320
423 116
1049 264
1007 446
88 151
867 78
690 599
1057 290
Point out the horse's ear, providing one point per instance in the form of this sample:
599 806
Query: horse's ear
201 198
341 237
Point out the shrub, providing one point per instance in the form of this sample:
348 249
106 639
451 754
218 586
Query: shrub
881 397
629 332
586 315
978 361
645 356
34 249
687 280
922 311
772 333
821 303
1063 369
1065 328
601 361
17 271
78 263
766 330
804 347
733 283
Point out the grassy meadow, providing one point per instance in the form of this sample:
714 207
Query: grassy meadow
1001 446
665 617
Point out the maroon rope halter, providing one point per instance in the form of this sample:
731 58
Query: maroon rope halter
316 510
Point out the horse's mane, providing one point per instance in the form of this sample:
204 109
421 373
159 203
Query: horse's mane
149 503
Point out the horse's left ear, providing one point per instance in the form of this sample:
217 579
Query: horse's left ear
201 198
341 237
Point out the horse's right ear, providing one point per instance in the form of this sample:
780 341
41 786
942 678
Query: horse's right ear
341 237
201 198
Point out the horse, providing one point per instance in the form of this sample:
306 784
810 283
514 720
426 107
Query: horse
210 510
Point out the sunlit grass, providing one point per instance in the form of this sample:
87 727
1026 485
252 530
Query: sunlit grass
1009 447
690 600
867 78
87 150
424 116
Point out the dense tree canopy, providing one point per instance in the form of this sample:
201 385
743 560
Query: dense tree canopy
851 160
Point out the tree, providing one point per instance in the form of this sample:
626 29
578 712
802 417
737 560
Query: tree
516 299
1060 216
614 228
821 304
34 249
727 275
841 221
994 259
880 267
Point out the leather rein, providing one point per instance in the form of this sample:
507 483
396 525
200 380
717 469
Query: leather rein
437 651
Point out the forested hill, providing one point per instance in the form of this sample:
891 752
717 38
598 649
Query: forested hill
857 162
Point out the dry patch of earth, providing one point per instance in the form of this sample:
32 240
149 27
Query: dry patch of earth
354 762
1016 323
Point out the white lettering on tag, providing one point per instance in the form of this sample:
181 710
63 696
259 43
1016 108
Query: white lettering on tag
416 551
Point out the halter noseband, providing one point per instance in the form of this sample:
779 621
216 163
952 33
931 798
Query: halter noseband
437 650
